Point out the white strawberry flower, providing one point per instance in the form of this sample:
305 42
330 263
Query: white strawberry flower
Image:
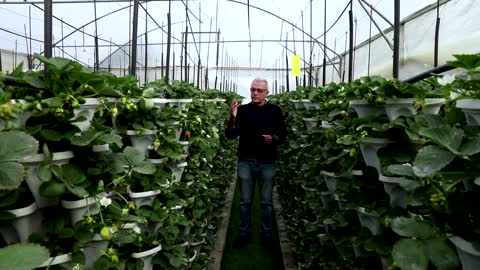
447 79
136 229
105 201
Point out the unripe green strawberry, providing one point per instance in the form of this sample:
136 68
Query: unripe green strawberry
105 233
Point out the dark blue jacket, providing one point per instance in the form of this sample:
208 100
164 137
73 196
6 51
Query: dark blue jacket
251 123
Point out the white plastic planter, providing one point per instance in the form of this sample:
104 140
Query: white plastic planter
185 146
22 117
309 105
298 104
178 130
310 192
87 110
143 198
178 171
469 255
157 161
331 180
142 141
326 125
62 260
369 148
369 221
365 109
304 137
9 234
471 109
326 198
406 107
80 208
147 257
32 163
180 103
99 148
310 123
159 102
213 100
93 250
28 220
398 196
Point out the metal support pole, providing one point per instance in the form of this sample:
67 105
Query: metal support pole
146 45
286 65
350 57
311 44
396 40
133 59
325 46
181 59
437 35
185 54
169 39
97 57
369 44
48 32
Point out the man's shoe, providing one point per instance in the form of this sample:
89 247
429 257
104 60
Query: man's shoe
241 241
267 240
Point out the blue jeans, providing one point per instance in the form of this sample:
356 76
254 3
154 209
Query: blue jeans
248 172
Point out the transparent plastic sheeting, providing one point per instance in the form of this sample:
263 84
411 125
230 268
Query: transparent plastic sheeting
459 34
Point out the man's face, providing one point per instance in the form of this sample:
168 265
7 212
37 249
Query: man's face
258 92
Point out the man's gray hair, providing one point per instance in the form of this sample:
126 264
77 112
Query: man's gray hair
261 80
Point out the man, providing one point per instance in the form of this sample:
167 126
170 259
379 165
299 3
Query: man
261 128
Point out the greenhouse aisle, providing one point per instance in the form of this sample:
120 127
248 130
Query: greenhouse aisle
254 255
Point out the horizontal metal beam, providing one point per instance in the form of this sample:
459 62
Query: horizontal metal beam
429 73
28 2
207 32
179 43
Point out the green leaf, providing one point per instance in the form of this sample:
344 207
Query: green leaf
78 257
471 146
72 174
86 137
15 145
57 63
410 254
111 139
409 227
466 61
78 191
6 216
54 101
175 261
44 173
148 93
22 256
52 135
145 167
402 170
448 137
52 189
441 254
431 159
133 155
430 121
33 79
124 237
11 175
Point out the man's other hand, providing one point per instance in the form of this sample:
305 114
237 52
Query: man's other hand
233 109
267 139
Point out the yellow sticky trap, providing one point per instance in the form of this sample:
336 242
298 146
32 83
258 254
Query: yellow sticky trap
295 65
